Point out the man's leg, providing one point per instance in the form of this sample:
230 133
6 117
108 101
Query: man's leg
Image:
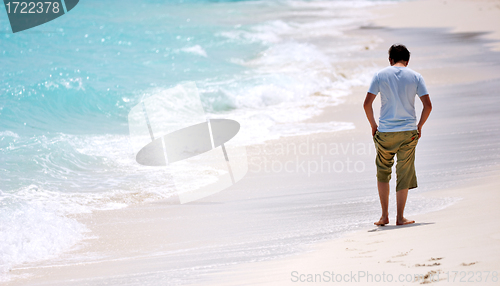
401 196
383 193
406 176
386 149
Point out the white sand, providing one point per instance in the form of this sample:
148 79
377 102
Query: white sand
459 245
460 242
477 16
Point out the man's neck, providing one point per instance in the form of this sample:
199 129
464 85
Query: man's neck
400 64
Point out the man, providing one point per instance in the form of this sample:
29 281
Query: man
398 131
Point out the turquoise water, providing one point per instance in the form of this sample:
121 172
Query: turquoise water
71 74
66 88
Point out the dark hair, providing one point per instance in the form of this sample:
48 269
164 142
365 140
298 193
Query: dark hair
398 53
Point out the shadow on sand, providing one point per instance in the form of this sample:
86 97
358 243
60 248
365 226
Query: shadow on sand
392 227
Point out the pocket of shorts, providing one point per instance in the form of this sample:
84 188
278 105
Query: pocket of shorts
415 136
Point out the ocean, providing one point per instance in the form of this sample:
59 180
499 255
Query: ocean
67 86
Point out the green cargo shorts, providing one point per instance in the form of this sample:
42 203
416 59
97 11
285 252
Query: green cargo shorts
403 145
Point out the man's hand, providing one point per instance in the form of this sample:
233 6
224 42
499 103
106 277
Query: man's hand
374 130
426 102
367 105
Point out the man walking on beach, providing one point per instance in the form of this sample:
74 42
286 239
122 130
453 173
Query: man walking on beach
398 131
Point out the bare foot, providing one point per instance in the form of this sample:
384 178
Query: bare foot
382 221
404 221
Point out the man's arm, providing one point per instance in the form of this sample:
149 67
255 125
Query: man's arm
367 105
426 111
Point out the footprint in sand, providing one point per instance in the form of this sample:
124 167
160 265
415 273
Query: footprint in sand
468 264
430 276
422 265
402 254
376 241
367 251
437 258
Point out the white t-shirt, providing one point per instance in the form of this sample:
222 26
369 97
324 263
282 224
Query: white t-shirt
398 87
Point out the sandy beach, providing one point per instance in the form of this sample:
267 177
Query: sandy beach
462 16
458 243
453 246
